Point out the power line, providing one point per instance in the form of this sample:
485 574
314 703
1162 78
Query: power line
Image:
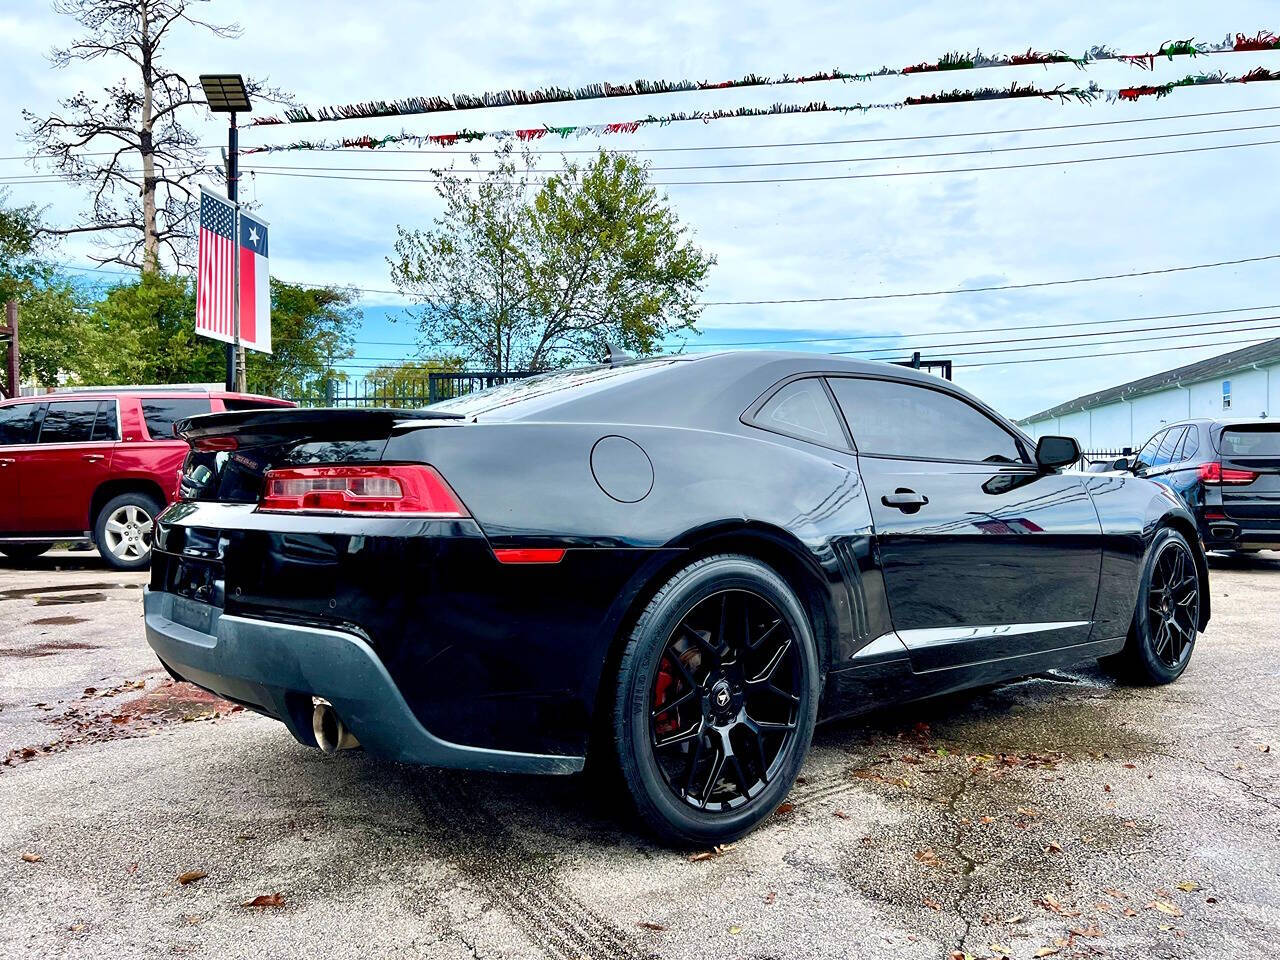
766 146
800 163
1118 353
815 179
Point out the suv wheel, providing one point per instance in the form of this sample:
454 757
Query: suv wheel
123 530
716 700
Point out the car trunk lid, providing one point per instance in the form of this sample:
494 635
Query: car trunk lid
1255 449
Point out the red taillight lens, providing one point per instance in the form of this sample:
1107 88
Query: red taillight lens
1214 472
528 554
415 489
216 444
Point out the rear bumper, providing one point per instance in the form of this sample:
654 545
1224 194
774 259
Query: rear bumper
1228 534
278 667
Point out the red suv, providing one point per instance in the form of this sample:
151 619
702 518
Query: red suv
97 464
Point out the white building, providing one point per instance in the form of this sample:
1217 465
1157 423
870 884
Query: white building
1243 383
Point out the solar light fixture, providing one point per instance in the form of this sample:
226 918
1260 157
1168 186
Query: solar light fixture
225 92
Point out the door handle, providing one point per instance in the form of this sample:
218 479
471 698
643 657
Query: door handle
5 461
908 501
93 457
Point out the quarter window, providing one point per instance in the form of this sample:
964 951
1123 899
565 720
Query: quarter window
18 423
895 419
802 409
70 422
1147 455
1164 454
162 412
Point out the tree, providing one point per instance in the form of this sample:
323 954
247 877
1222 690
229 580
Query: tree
312 329
20 262
146 210
596 257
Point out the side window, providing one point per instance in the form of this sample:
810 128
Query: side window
161 413
106 427
18 423
1147 455
1164 453
69 422
803 410
1191 444
895 419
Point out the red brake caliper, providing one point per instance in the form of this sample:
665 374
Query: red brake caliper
668 722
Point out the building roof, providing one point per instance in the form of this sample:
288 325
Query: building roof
1191 373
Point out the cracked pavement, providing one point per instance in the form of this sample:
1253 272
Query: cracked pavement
1061 815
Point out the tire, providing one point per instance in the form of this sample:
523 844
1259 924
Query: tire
750 708
24 552
123 528
1155 651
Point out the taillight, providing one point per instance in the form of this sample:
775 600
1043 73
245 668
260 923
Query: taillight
414 489
1214 472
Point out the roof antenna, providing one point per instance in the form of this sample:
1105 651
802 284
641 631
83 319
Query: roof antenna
614 355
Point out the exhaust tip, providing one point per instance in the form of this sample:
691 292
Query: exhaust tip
330 732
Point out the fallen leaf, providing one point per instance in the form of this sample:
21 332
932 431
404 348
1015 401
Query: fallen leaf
1130 912
1053 848
76 927
265 900
932 904
1171 909
985 820
701 855
999 950
1189 886
771 896
1045 952
735 930
1016 918
1265 748
840 813
1131 766
1086 931
1210 899
650 925
32 857
928 857
191 876
785 808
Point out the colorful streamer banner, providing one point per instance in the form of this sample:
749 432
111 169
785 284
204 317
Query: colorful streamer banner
1013 92
1240 43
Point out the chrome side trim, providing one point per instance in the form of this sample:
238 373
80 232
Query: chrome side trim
921 639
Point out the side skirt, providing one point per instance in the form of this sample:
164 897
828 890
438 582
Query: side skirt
881 681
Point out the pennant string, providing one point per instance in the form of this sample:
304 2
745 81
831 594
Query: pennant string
1240 43
1060 94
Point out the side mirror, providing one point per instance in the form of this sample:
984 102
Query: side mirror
1123 463
1054 452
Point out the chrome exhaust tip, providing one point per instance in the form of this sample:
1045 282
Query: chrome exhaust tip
330 732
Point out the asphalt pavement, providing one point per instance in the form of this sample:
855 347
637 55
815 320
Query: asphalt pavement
1062 815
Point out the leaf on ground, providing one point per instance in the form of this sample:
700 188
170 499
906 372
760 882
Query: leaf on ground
1087 931
932 904
771 896
784 808
265 900
1045 952
999 951
735 930
840 813
1189 886
928 857
1171 909
1050 903
1053 847
650 925
191 876
32 857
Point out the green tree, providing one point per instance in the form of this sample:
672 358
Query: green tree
312 329
597 256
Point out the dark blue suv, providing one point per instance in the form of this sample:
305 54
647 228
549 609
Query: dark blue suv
1227 472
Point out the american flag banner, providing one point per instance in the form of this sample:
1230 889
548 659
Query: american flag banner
215 268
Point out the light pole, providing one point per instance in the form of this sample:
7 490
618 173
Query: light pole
226 93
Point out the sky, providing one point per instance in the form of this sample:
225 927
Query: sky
804 239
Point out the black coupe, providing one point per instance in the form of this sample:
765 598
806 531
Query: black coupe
671 567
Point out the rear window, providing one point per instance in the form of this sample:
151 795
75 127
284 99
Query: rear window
69 422
243 403
543 385
162 412
1257 441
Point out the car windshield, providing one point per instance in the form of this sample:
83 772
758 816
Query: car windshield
527 389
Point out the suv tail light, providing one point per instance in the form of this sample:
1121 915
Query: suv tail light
402 489
1214 472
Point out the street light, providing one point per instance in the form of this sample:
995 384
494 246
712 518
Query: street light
226 93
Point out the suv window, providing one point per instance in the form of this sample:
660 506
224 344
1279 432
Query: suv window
1164 453
162 412
895 419
69 422
106 427
1147 455
802 409
1187 448
18 423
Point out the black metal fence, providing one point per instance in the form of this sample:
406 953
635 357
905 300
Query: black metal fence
407 393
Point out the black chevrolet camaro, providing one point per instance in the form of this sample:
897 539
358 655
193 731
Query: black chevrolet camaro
671 568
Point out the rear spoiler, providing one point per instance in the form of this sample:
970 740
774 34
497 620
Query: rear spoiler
280 424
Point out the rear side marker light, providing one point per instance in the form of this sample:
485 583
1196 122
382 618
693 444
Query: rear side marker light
1213 472
539 555
402 490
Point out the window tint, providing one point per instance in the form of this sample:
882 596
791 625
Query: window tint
69 422
18 423
1147 455
161 412
106 426
1190 444
803 409
239 403
1251 441
902 420
1164 453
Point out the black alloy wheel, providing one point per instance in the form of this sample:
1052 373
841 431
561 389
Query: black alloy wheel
717 699
1163 633
724 700
1173 604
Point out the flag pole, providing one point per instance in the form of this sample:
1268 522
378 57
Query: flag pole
233 176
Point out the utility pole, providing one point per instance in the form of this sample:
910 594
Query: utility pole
13 385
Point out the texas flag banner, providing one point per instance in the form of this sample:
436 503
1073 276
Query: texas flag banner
255 285
215 268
